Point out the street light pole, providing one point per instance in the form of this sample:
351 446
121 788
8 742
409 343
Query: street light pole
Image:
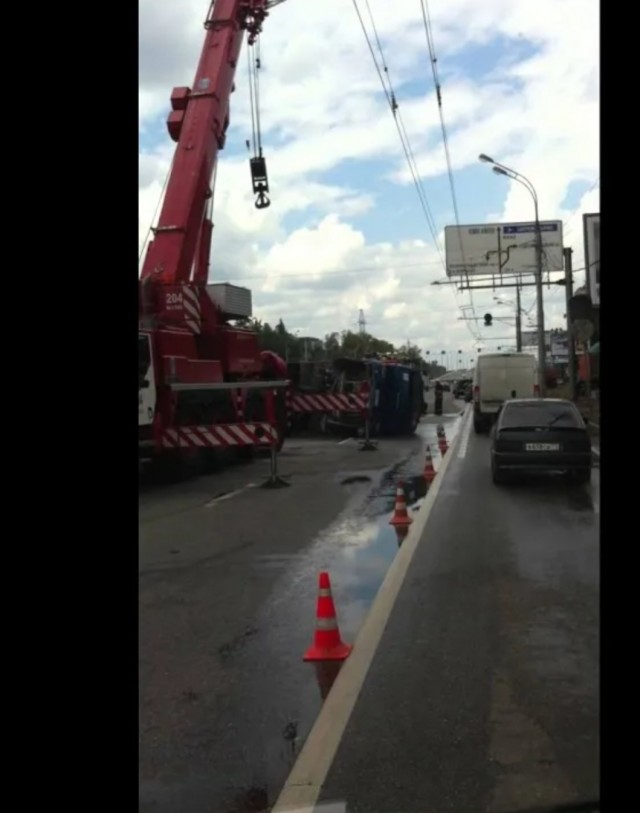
501 169
518 321
568 272
539 300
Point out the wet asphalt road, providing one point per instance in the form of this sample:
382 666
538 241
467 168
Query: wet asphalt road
227 601
483 693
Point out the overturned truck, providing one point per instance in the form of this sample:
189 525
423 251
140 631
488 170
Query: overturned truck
340 396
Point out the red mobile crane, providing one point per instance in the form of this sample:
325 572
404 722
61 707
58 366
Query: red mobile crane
202 382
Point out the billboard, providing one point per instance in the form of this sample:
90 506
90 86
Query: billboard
492 249
591 225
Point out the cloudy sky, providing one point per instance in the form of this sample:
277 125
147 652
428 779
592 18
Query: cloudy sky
346 229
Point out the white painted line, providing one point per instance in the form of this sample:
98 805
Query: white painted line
304 784
346 440
465 432
596 450
228 496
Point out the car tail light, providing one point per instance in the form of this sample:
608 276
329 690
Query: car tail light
476 395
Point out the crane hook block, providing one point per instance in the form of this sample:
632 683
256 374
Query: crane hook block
260 181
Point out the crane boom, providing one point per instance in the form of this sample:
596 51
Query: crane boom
198 122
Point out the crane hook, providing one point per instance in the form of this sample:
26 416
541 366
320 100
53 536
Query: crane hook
260 181
262 201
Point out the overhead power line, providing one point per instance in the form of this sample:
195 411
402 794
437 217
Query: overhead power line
387 87
433 60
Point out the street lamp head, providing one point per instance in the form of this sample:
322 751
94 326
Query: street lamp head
500 171
485 159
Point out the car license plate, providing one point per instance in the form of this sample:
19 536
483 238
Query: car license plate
542 447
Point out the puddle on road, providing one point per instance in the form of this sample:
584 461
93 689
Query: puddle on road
360 545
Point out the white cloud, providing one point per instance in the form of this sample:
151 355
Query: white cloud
306 257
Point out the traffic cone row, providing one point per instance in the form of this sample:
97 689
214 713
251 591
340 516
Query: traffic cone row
327 643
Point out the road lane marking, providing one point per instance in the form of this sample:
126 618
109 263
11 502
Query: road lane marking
466 434
346 440
304 784
228 496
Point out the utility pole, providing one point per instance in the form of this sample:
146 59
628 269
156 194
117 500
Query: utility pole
540 304
568 273
518 321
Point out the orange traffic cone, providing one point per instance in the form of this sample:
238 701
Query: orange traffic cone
327 644
429 471
400 514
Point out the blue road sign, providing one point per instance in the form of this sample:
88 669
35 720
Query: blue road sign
528 228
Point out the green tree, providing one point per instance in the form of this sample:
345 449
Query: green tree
410 352
332 346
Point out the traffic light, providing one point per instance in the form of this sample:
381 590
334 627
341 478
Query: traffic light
488 319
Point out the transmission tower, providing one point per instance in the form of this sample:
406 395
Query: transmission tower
362 323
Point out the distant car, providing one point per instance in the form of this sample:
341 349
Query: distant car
540 435
461 387
446 387
468 392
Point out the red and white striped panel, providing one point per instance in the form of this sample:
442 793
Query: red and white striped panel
191 306
220 435
328 403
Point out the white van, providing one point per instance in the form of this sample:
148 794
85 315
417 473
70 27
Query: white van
498 377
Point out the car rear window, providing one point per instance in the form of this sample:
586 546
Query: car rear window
536 415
